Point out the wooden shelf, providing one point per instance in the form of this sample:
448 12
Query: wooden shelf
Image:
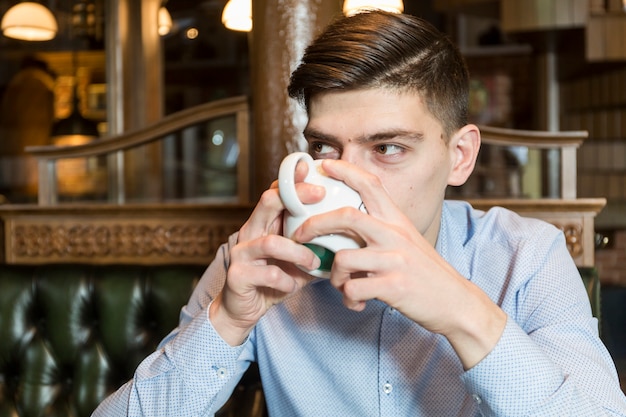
605 37
532 15
473 6
497 50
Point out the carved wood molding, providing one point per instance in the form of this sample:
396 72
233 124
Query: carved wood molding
573 238
178 233
152 234
117 240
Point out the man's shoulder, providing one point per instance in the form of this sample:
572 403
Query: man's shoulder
497 238
496 220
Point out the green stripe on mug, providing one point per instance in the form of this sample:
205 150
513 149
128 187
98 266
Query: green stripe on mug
326 256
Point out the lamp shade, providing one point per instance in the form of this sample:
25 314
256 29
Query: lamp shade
75 125
29 21
352 7
237 15
164 21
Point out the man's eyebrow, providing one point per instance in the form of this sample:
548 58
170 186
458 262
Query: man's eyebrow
403 134
310 133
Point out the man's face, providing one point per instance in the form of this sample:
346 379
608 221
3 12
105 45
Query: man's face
393 136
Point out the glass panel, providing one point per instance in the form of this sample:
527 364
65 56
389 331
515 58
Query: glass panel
199 164
82 179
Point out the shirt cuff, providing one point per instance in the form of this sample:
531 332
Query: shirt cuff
514 376
203 359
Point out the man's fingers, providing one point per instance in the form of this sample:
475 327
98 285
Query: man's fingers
372 192
367 230
275 247
266 218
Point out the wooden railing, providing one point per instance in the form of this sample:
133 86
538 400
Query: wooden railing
565 142
48 156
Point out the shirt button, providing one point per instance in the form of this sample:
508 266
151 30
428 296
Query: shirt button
222 372
477 399
387 388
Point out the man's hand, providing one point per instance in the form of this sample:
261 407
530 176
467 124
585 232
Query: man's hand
262 270
400 267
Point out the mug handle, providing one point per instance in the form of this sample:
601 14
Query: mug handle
287 184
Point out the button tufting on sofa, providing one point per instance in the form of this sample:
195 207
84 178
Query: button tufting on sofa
72 334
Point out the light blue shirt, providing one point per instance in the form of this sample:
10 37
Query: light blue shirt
317 358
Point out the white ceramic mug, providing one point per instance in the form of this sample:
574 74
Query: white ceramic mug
338 195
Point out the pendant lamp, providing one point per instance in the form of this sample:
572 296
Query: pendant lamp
164 21
352 7
29 21
75 125
237 15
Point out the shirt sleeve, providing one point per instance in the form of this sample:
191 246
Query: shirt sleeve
549 359
519 379
193 374
194 371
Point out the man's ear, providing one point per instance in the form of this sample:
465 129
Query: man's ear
464 147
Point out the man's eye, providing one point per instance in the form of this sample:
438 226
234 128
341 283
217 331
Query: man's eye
316 147
321 150
388 149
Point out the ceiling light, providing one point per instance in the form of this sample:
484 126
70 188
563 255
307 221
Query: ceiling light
237 15
352 7
165 21
30 22
75 124
192 33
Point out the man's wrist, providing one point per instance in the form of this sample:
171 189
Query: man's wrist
220 320
476 337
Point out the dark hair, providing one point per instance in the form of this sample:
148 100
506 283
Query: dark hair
387 50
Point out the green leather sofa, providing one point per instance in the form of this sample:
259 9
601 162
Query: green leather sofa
72 334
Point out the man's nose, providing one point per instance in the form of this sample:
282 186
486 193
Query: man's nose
349 154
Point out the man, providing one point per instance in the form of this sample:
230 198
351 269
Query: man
446 311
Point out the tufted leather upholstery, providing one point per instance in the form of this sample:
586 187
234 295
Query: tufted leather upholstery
72 334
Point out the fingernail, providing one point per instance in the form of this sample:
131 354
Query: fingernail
320 189
313 265
316 263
